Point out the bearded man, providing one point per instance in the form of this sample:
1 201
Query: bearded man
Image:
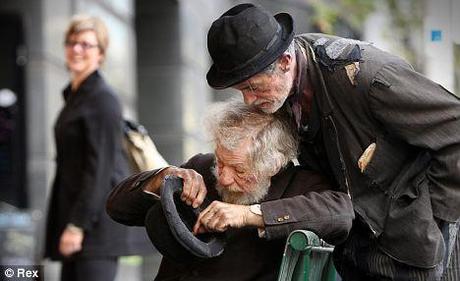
259 196
384 133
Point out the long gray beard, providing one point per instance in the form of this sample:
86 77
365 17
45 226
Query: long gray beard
259 192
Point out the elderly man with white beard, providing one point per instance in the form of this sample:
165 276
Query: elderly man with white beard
258 197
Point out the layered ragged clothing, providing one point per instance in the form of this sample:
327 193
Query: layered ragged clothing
407 184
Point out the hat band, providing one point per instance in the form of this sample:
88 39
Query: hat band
256 57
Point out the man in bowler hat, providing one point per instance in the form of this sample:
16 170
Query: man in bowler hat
383 133
258 197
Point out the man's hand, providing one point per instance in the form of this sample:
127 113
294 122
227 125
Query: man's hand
220 216
71 242
194 189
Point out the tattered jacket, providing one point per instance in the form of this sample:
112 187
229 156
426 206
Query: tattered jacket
366 97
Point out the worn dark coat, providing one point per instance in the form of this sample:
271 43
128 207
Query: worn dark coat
413 177
90 162
297 199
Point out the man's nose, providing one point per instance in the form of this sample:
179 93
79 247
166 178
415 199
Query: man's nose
225 177
249 97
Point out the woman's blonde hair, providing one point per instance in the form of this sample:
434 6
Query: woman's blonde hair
81 23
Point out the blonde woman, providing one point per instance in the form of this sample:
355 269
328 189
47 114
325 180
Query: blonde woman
90 161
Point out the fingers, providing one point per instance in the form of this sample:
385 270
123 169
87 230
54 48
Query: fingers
198 228
202 220
64 248
70 243
202 191
191 186
199 225
194 190
215 218
68 249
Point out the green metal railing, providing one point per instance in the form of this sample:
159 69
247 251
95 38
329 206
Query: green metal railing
307 258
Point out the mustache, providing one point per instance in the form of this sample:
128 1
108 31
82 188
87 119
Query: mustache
234 194
261 101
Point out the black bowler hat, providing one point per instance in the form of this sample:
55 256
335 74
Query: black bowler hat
245 40
169 227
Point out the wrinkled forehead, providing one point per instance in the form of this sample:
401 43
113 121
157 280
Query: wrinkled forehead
258 80
232 156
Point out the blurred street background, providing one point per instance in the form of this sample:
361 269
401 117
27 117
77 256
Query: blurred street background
157 63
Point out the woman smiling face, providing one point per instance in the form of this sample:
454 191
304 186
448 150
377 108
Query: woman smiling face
82 53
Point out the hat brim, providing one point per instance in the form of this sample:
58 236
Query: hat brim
170 227
221 80
162 238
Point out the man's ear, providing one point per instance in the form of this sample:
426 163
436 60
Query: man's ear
285 62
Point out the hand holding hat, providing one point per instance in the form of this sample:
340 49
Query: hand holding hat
169 226
194 189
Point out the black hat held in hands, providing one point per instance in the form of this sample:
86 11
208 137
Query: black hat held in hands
245 40
169 226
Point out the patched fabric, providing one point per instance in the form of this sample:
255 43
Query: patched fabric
352 70
337 47
320 41
339 52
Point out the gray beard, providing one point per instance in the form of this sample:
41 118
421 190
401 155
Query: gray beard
259 192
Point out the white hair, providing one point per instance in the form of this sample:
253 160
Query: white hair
270 69
273 138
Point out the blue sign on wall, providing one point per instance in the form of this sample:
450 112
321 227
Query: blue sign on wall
436 35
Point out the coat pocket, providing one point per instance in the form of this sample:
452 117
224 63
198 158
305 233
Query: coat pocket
411 234
387 160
